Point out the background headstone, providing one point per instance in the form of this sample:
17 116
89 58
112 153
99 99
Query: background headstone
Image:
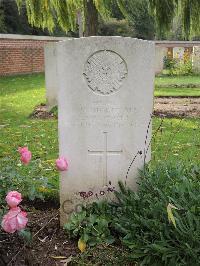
105 105
51 82
196 59
178 53
160 53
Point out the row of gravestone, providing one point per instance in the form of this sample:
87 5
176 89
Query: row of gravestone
181 54
160 53
105 101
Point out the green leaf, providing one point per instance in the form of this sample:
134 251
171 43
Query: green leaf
27 236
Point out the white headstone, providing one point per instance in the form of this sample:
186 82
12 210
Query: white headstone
160 53
51 80
196 59
51 83
178 53
105 106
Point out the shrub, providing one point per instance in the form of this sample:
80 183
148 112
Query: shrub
176 67
140 220
92 224
169 63
142 217
29 180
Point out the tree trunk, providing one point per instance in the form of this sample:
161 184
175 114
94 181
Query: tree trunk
91 18
80 23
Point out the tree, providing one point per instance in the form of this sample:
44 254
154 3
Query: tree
12 22
138 15
91 18
2 20
46 13
188 10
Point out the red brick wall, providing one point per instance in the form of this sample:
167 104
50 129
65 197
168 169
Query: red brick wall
20 56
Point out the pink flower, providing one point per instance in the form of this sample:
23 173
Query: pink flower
25 155
14 220
23 149
62 164
13 198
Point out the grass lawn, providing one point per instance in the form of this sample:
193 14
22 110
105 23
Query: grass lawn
177 139
177 86
175 92
18 97
177 80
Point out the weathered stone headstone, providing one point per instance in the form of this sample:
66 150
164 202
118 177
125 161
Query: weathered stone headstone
105 106
51 81
160 53
196 59
178 53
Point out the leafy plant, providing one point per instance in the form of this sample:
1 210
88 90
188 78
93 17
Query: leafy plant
144 220
33 185
142 217
176 67
26 236
169 63
54 111
92 224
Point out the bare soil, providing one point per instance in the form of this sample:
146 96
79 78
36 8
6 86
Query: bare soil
41 112
50 244
163 106
177 106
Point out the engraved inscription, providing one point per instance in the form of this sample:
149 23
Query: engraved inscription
106 116
105 71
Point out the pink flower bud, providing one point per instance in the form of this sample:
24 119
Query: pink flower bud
23 149
25 155
61 164
14 220
13 198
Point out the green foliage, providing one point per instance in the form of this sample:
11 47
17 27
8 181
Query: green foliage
182 68
142 217
113 27
137 14
188 10
47 14
13 22
177 68
54 111
2 20
92 224
33 185
169 63
26 235
164 12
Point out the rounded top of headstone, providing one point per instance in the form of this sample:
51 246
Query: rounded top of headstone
104 72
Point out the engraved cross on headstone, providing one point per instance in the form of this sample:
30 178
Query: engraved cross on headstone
105 152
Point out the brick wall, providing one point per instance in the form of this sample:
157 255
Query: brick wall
22 54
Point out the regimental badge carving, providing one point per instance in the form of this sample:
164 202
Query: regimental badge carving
105 71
